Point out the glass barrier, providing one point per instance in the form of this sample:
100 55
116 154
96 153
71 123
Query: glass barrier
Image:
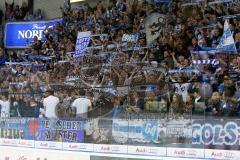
135 108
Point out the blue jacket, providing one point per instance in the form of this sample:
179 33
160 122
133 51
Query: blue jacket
3 59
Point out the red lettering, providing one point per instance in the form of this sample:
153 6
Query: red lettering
73 146
44 144
179 152
6 141
217 154
105 148
141 150
22 143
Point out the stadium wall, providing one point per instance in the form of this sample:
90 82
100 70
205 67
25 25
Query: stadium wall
51 8
21 153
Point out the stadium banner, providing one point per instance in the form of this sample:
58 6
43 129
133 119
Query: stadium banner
15 129
83 40
154 24
147 150
98 131
216 133
136 130
175 131
106 148
185 152
60 130
21 34
84 147
92 157
21 153
222 154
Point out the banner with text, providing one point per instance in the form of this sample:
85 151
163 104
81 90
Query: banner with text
136 130
60 130
217 133
21 34
83 40
17 128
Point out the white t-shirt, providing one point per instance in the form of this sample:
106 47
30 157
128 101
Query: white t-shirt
81 104
50 103
5 109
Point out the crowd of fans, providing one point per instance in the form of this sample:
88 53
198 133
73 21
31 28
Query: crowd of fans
113 78
19 13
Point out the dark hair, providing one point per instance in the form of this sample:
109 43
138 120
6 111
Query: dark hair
196 90
166 62
51 92
81 92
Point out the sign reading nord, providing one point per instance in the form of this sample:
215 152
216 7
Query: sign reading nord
18 34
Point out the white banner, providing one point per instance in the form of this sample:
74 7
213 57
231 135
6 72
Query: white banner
222 154
106 148
48 144
145 150
154 24
26 143
21 153
185 152
11 153
82 43
134 130
85 147
130 38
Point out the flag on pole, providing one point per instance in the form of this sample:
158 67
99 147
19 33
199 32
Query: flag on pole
227 43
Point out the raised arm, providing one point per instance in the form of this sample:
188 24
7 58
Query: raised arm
116 72
175 60
146 56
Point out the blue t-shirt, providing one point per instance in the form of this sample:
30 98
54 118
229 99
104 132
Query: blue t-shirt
116 111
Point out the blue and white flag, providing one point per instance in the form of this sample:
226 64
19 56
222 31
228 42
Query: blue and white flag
154 25
205 51
227 43
130 38
82 43
214 62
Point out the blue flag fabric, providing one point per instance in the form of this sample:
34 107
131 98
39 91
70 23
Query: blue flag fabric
227 43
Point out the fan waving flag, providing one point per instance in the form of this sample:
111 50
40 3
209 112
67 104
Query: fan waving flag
82 43
227 43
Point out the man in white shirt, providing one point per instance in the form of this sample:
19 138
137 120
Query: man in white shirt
82 105
50 103
4 107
